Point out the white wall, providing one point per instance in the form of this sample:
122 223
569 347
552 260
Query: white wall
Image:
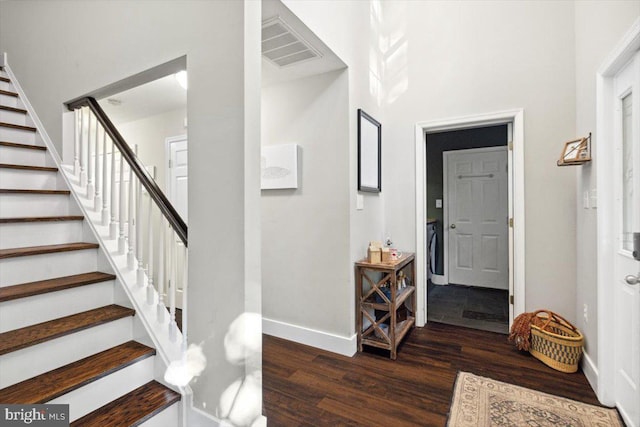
464 58
62 49
436 60
150 134
599 26
306 271
344 26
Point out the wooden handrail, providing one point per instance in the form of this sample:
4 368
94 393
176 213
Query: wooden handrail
129 156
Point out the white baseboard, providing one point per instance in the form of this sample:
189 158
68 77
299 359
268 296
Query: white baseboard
438 279
198 418
346 346
590 371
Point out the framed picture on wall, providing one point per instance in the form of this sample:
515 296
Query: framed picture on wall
576 151
369 153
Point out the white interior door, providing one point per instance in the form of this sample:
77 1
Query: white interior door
177 192
627 221
178 175
477 217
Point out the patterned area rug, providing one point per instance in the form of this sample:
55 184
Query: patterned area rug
483 402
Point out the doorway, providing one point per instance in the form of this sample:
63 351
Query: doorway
177 185
467 200
618 154
514 121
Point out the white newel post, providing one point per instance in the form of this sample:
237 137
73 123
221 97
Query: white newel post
97 200
90 162
105 181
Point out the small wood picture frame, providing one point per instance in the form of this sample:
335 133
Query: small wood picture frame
575 152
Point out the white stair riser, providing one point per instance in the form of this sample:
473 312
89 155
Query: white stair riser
6 86
13 117
17 205
23 312
17 235
170 417
28 179
35 360
25 269
92 396
9 101
22 156
17 135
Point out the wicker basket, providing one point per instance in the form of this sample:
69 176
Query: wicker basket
555 341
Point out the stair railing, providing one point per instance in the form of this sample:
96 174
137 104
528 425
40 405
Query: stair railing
146 226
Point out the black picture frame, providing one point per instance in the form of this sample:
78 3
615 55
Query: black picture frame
369 153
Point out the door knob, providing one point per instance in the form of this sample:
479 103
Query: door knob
632 280
453 226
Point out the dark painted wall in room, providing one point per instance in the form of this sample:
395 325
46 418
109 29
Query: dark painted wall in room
439 142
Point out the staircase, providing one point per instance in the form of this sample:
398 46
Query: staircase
68 332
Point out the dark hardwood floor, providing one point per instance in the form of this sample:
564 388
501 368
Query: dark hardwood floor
304 386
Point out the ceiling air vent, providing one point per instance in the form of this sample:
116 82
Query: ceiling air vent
282 46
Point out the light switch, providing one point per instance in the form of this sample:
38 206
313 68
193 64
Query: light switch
585 199
359 202
438 203
594 198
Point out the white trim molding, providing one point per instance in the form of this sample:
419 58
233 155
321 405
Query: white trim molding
517 270
620 55
346 346
590 370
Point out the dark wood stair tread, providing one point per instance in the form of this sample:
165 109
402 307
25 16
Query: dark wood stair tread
28 167
13 109
18 145
4 79
46 249
24 290
132 409
8 93
45 331
42 219
31 191
19 127
52 384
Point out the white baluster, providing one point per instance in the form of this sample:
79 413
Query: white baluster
105 180
161 271
76 142
83 173
185 285
122 243
97 199
150 288
113 226
139 245
173 326
90 162
131 229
